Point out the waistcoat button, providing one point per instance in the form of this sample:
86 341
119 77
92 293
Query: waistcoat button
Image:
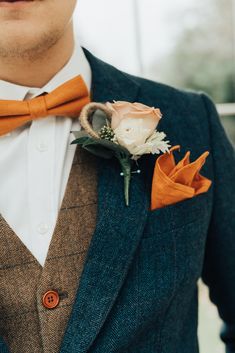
50 299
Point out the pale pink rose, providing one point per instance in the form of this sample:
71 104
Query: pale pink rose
122 110
133 123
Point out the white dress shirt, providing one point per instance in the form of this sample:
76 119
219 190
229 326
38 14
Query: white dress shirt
35 162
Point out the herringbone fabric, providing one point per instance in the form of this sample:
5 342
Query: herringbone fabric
25 324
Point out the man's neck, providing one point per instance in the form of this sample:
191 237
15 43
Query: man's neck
37 73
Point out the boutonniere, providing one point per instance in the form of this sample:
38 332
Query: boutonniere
122 130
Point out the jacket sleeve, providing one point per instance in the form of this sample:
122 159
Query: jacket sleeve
219 265
3 347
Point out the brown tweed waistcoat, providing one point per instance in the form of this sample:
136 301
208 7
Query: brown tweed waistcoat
25 324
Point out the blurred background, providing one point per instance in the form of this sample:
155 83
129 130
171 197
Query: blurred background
189 44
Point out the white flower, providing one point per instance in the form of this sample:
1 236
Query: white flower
154 144
131 133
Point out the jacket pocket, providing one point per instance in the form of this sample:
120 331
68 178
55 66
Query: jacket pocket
196 209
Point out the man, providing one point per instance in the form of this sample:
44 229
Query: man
79 270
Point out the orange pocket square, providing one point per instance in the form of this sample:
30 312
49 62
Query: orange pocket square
173 182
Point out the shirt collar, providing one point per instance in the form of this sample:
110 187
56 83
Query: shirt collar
77 65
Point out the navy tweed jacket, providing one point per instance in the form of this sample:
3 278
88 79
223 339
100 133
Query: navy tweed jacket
138 291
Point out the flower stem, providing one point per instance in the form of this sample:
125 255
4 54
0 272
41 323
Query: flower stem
126 169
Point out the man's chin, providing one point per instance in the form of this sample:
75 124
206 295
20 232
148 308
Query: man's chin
27 42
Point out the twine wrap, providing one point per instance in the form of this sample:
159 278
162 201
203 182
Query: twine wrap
86 114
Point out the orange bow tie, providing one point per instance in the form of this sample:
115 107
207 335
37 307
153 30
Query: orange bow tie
66 100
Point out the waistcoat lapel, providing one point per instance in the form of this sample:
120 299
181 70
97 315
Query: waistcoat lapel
118 229
74 229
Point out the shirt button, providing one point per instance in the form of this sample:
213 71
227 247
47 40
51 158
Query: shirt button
42 147
50 299
43 228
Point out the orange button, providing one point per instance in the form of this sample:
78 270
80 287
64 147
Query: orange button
50 299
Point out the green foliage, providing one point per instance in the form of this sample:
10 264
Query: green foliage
107 149
100 147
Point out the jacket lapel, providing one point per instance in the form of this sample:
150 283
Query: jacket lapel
118 230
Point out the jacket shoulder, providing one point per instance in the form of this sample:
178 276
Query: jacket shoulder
151 91
188 109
